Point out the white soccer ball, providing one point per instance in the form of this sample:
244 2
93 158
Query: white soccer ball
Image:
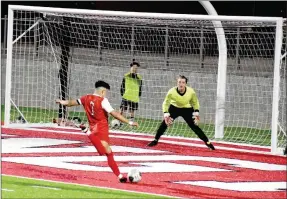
115 123
134 175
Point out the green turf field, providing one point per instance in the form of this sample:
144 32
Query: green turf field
13 187
233 134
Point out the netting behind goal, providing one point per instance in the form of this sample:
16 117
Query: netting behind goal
64 54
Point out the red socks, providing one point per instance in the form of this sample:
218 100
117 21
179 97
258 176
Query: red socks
112 163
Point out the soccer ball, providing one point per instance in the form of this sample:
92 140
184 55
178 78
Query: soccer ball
134 175
115 123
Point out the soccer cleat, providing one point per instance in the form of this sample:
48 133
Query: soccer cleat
131 179
83 128
123 179
153 143
210 146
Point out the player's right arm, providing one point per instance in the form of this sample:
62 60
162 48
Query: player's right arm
67 103
166 102
140 89
195 104
123 86
118 116
165 106
109 109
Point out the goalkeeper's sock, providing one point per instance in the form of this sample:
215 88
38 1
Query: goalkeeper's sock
112 164
97 144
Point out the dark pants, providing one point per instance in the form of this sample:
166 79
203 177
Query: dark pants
133 106
186 113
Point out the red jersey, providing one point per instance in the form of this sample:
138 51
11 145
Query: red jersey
97 109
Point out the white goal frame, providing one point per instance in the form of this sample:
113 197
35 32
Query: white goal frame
222 61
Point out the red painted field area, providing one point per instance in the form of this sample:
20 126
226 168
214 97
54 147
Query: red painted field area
186 170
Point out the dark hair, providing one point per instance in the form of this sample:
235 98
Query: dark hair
102 84
183 77
134 63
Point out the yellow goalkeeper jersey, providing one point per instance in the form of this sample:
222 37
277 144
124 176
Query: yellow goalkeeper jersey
185 100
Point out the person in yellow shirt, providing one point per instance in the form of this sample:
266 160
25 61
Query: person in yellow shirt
181 101
131 90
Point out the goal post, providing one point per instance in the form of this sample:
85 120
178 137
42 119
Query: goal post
276 85
9 67
238 104
222 67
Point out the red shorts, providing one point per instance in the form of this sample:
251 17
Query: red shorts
101 133
102 136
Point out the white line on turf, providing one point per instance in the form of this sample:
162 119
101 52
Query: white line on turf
6 189
138 134
70 183
132 137
44 187
193 139
23 126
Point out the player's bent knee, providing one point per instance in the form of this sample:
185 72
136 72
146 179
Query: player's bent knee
106 146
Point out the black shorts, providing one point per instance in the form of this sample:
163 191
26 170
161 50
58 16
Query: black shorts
183 112
129 104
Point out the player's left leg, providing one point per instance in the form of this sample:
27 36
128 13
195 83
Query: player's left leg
133 106
111 161
197 130
132 114
100 142
123 108
174 113
96 141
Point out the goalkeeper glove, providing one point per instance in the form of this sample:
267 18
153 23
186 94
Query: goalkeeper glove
195 117
168 120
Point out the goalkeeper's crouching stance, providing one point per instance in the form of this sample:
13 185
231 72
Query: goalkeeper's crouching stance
181 101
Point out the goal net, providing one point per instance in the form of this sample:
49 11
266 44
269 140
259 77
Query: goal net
61 55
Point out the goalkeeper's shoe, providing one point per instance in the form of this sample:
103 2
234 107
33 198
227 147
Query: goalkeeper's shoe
210 146
153 143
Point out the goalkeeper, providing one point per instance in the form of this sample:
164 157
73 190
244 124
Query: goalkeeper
131 89
181 101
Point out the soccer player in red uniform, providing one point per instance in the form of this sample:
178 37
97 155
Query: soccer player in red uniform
97 108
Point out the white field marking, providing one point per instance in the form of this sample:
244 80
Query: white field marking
44 187
7 135
26 127
84 185
12 144
6 189
238 186
191 144
71 162
26 145
193 139
162 141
